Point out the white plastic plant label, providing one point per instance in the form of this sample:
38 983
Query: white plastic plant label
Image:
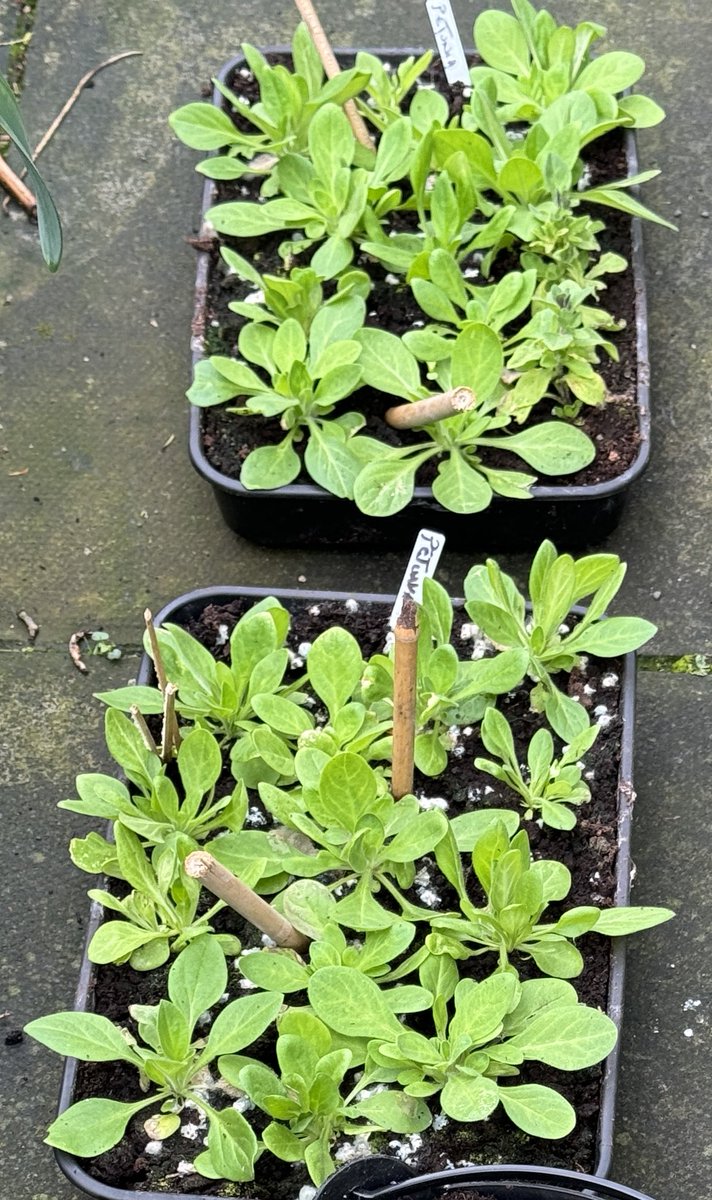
423 561
448 40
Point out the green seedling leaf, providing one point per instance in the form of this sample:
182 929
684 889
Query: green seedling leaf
93 1126
539 1111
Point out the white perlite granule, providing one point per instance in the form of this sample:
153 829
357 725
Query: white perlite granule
350 1151
427 802
407 1149
190 1131
366 1093
351 605
153 1147
610 680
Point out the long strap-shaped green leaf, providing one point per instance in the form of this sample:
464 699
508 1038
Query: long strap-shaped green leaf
47 216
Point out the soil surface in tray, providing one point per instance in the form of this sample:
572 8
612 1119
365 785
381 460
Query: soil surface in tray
589 851
228 438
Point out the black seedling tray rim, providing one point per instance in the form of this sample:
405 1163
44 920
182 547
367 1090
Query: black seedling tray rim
539 492
195 601
538 1183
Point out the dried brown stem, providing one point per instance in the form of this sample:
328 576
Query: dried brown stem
433 408
30 624
170 734
155 650
140 722
309 16
75 651
69 104
405 681
222 883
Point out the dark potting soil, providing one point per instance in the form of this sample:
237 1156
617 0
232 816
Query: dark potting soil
589 851
228 437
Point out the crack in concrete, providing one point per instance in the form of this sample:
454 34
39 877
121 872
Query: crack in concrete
20 38
682 664
10 646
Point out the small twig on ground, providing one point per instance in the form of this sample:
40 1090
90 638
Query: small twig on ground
140 722
155 650
405 679
433 408
316 30
75 651
31 625
222 883
13 182
170 735
85 79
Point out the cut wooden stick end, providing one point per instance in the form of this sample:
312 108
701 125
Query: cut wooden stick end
227 887
407 622
433 408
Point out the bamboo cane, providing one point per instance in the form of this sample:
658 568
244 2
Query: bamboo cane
405 678
309 16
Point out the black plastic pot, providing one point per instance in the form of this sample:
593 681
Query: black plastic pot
304 514
380 1178
187 608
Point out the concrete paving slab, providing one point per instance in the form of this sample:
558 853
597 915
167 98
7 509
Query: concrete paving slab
52 730
663 1143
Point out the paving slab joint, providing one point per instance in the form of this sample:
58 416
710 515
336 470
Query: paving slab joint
677 664
19 44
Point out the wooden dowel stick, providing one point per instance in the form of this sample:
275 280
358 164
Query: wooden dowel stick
405 681
309 16
140 722
170 735
433 408
155 650
222 883
14 185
